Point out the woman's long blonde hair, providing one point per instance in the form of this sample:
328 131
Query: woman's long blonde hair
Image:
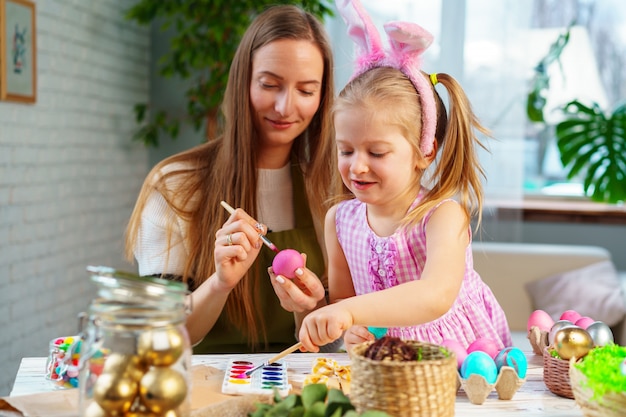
458 170
193 182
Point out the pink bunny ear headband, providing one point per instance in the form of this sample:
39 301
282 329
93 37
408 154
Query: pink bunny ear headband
407 43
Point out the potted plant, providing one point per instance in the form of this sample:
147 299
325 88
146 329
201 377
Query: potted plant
594 144
207 33
591 144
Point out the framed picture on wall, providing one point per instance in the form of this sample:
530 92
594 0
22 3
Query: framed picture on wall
18 51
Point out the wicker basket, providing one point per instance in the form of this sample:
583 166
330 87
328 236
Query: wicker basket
556 375
610 405
422 388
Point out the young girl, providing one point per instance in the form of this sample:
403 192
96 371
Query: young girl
400 253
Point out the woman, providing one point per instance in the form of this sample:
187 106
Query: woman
273 160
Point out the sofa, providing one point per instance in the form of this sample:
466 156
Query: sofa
553 277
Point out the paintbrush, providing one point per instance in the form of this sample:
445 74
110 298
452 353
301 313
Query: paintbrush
264 238
276 358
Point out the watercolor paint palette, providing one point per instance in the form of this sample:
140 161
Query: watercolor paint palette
261 381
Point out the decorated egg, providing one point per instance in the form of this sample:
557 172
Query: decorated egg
378 332
558 325
601 333
584 321
540 319
286 262
572 342
480 363
513 357
457 348
570 315
486 345
622 367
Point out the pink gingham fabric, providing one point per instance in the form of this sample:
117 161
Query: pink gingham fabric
378 262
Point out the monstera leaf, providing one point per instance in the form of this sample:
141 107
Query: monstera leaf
595 145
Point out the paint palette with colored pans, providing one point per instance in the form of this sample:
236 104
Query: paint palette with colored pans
262 381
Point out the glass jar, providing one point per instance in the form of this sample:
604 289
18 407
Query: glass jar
63 360
136 354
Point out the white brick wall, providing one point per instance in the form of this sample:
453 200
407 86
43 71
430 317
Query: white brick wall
69 173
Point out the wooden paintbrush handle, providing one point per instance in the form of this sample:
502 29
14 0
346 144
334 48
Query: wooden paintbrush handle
285 352
276 358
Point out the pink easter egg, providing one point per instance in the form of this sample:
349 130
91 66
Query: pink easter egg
457 348
584 322
483 344
286 262
540 319
570 315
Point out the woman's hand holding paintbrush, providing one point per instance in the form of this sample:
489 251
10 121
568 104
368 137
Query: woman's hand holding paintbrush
286 261
297 295
258 226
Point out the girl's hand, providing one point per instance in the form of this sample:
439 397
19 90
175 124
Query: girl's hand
355 335
303 293
237 245
324 326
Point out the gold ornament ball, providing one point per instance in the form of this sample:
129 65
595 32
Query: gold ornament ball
119 364
161 347
162 389
572 342
115 392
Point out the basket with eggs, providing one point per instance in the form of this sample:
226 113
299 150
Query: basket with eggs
568 339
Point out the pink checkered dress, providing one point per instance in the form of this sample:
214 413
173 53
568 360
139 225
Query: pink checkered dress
377 263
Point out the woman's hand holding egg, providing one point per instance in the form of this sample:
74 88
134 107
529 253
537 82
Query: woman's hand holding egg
286 262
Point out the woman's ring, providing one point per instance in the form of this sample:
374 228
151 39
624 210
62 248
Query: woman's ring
229 239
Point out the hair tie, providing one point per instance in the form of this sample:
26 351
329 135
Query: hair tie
433 79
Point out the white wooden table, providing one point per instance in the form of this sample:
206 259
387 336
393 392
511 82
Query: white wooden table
532 399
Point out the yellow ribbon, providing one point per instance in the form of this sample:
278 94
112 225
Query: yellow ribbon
433 78
326 371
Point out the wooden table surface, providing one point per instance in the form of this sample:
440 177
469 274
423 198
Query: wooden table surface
532 399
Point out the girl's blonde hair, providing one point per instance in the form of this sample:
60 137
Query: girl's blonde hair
193 182
458 171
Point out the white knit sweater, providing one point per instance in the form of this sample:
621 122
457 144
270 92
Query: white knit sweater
274 185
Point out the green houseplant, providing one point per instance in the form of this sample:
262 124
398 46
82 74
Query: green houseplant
594 144
206 35
591 144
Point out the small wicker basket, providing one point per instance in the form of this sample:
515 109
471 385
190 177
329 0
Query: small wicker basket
426 387
609 405
556 375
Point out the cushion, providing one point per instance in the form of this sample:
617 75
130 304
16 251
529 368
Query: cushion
592 291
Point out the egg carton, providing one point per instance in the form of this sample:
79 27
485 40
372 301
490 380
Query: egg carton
538 340
478 389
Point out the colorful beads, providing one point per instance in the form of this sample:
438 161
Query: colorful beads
62 364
